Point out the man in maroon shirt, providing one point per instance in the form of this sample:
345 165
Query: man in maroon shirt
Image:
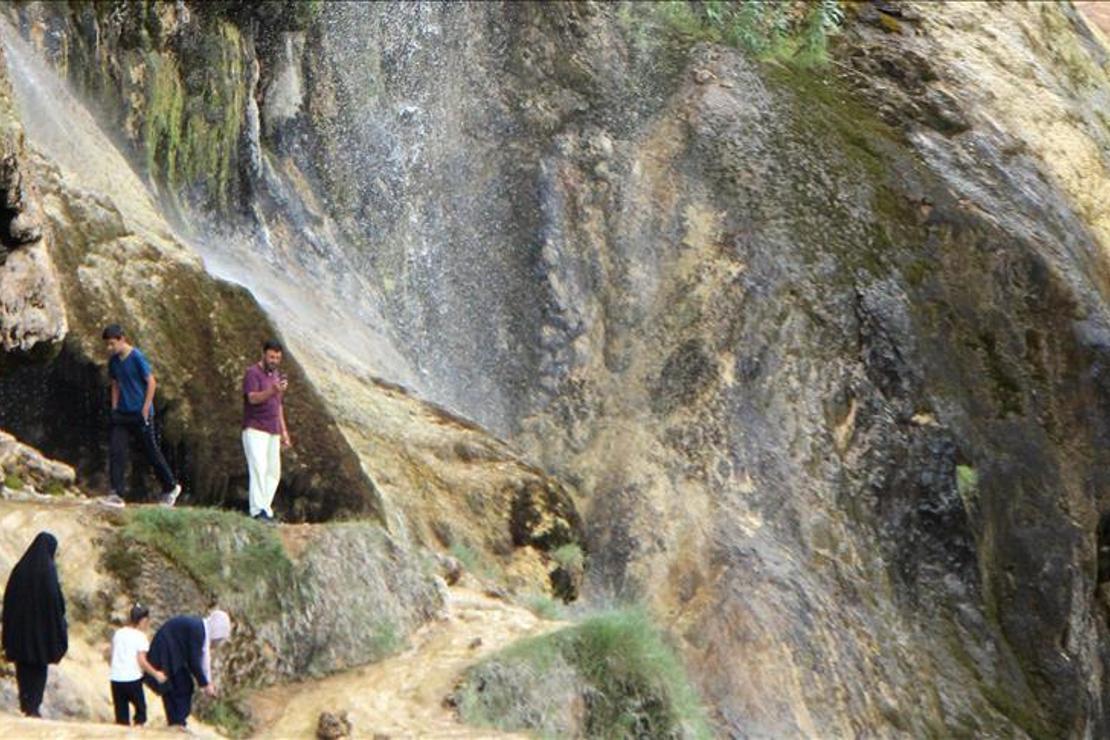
264 430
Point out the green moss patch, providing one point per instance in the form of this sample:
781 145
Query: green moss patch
234 559
794 31
610 676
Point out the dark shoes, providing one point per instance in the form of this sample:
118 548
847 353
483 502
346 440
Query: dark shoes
264 518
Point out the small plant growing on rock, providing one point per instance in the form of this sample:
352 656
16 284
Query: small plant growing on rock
795 31
226 713
543 606
570 556
474 561
612 675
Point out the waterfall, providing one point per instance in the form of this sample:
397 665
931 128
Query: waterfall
320 312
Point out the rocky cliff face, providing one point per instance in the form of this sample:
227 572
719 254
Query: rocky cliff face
31 320
124 254
822 350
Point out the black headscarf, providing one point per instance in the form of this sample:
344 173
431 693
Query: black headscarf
34 620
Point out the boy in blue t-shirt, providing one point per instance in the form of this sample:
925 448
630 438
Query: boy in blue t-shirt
133 387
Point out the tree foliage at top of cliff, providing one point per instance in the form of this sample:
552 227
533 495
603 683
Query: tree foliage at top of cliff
790 30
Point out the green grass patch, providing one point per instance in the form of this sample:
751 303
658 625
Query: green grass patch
237 560
226 714
967 485
570 556
629 681
476 562
385 639
13 481
543 606
793 31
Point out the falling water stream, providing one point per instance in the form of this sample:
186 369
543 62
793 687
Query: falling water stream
319 315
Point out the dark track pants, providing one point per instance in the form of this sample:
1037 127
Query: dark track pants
178 698
31 679
124 427
124 694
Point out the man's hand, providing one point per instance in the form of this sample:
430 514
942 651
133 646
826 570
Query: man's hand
146 412
286 440
210 690
282 384
160 677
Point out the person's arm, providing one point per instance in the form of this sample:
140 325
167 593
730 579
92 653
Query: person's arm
285 438
147 667
115 394
256 394
257 397
147 375
196 657
148 400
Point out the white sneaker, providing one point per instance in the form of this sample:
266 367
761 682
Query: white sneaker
114 501
170 498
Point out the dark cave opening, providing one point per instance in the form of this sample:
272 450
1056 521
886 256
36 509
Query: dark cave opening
61 407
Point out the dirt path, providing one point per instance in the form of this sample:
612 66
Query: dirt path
403 695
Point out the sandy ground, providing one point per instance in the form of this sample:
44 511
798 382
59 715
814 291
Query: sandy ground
402 696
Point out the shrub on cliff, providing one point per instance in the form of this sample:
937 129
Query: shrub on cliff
612 675
790 30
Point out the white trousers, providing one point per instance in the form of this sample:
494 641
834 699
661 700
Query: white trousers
263 452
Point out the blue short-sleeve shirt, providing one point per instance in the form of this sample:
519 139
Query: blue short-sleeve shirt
131 375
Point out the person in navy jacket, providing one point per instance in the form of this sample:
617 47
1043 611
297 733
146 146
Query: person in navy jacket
182 649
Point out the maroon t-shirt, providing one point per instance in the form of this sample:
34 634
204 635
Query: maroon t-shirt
265 416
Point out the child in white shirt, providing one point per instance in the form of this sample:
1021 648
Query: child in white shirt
129 649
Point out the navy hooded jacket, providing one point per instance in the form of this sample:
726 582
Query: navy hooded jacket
179 645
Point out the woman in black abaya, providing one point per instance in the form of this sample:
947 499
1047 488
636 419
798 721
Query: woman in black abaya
34 620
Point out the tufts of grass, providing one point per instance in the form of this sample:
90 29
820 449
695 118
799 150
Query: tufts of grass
630 682
570 556
386 640
235 559
967 485
227 714
475 561
793 31
543 606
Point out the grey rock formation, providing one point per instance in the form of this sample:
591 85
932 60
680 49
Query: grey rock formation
32 314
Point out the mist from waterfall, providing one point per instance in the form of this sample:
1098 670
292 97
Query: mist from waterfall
410 249
325 312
